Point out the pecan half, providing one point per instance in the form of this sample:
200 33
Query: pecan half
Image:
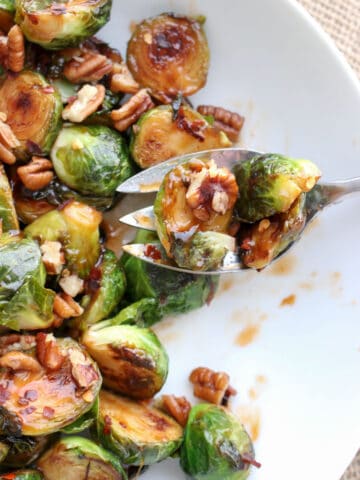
16 49
19 361
132 110
87 67
177 407
48 352
37 174
66 307
122 80
52 256
4 51
229 122
88 100
211 386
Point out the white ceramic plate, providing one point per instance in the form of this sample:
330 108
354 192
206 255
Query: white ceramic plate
298 377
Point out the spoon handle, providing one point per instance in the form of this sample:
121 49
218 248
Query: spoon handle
335 191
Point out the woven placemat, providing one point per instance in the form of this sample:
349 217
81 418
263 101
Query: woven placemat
341 20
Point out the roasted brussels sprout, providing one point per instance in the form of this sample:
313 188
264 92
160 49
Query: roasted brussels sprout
8 218
143 313
75 458
161 134
47 383
24 301
7 13
70 225
84 422
22 475
105 288
270 183
58 24
215 445
33 108
174 292
169 54
193 211
23 451
93 160
131 359
138 433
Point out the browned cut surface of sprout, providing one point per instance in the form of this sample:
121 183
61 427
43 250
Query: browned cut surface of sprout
37 174
87 66
229 122
122 80
211 386
88 100
132 110
177 407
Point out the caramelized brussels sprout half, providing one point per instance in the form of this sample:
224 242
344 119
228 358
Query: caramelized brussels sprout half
262 242
92 160
131 359
105 288
143 313
270 183
172 292
169 54
84 422
161 134
47 383
24 301
22 475
33 108
138 433
70 225
193 211
75 458
215 445
7 13
59 24
8 217
23 451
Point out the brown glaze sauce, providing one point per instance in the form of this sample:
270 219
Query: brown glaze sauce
288 301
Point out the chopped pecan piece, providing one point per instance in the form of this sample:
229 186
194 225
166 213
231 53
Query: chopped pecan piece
53 257
7 136
71 284
3 50
177 407
16 49
122 80
88 100
48 352
19 361
211 386
82 371
66 307
88 67
229 122
6 155
132 110
37 174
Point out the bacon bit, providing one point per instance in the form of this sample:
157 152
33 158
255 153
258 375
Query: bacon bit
107 425
48 89
48 352
33 148
247 459
48 412
152 252
31 395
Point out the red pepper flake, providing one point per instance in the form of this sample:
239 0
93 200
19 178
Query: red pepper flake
48 89
23 402
33 18
4 394
248 459
107 426
48 412
31 395
28 411
152 252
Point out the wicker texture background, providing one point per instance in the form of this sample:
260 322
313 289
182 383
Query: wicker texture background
341 20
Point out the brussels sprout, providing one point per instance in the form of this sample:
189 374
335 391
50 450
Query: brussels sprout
270 183
8 218
263 241
23 451
93 160
47 384
131 359
105 288
75 458
84 422
4 449
58 24
22 475
33 108
7 13
138 433
70 225
159 135
215 445
193 212
143 313
24 301
170 55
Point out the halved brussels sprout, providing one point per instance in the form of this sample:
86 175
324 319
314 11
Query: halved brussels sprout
161 134
193 212
8 217
263 241
270 183
131 359
58 24
84 422
70 225
23 451
93 160
76 458
138 433
7 13
169 54
215 445
174 292
22 475
47 383
33 108
105 288
24 301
